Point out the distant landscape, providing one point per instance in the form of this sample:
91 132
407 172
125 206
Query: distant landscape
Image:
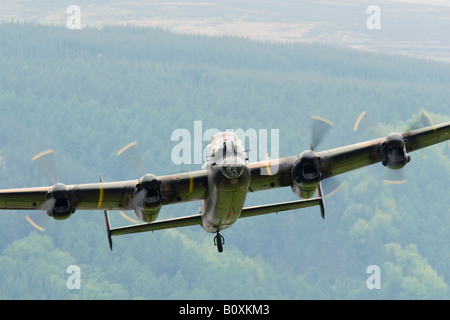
417 28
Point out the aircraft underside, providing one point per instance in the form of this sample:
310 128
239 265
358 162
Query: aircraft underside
224 201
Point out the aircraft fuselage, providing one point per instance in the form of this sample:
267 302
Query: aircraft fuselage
228 183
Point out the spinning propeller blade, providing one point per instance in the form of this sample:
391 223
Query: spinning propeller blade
46 163
131 155
423 120
320 128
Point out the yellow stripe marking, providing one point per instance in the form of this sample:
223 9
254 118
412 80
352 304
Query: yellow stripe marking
268 169
268 165
34 224
191 182
41 154
100 198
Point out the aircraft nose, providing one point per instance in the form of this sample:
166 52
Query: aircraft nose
232 171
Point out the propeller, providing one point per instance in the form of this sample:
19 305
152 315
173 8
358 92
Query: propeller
46 163
423 120
363 123
44 160
131 155
320 127
126 217
58 202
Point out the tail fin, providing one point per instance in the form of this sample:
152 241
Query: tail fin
108 229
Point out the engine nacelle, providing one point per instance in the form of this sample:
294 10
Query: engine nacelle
306 174
148 198
58 202
393 151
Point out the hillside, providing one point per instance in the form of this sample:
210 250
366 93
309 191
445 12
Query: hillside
416 28
86 93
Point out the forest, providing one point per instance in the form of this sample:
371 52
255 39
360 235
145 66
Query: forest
87 93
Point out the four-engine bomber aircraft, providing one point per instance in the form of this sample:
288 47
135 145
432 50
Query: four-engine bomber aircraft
222 184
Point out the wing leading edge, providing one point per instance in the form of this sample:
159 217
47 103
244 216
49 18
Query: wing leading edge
343 159
119 195
347 158
191 186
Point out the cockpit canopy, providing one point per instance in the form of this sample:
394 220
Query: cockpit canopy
226 145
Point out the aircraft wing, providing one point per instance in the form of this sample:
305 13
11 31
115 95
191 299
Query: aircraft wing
190 186
197 218
175 188
344 159
278 172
